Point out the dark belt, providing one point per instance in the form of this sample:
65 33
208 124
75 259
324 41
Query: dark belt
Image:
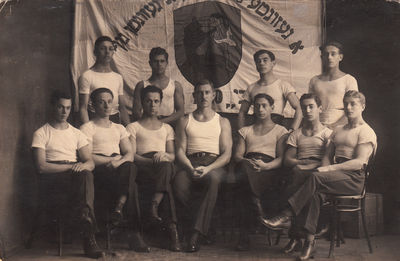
202 154
258 155
341 160
62 162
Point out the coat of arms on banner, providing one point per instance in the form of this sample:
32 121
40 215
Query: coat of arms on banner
208 41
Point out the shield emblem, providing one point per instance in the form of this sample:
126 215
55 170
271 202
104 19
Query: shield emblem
208 41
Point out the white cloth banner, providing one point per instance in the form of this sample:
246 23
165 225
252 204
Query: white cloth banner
204 39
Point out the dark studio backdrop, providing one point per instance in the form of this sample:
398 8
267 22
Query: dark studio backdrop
35 45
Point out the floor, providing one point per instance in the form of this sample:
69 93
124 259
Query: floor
385 247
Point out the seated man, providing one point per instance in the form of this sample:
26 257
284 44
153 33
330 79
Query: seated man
268 83
172 108
56 147
351 147
204 144
306 148
153 144
259 152
114 171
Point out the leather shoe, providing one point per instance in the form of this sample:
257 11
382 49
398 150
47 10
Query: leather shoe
174 237
91 248
193 245
244 243
308 250
294 244
137 243
276 223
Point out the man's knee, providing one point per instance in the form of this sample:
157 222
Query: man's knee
215 176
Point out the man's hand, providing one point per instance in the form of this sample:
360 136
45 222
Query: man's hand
78 167
115 162
260 165
324 168
200 171
160 156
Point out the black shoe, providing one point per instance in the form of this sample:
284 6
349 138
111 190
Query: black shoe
91 248
276 223
292 246
174 237
137 243
244 243
308 250
194 244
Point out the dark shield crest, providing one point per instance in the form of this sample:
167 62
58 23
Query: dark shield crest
208 41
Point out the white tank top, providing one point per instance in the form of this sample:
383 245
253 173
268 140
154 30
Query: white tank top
203 136
167 105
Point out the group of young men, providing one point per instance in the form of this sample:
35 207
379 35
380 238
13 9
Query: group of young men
185 169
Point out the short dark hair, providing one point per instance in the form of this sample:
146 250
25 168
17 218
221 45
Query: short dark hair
262 51
56 95
355 94
148 89
333 43
311 96
103 39
264 96
158 51
96 93
203 82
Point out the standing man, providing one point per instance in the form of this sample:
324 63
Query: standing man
268 83
331 85
342 172
204 147
153 144
56 147
172 107
100 75
115 172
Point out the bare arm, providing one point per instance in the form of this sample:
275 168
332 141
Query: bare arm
329 153
123 112
341 121
83 107
240 150
244 108
181 144
126 152
178 103
39 157
225 147
137 102
362 151
86 161
298 115
277 162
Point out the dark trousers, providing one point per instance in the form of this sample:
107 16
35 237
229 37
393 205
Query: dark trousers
253 185
159 176
114 183
307 199
74 188
199 195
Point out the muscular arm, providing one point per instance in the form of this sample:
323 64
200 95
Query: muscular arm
181 144
178 103
83 106
123 112
137 103
362 154
240 150
298 115
329 153
225 146
86 161
39 157
244 108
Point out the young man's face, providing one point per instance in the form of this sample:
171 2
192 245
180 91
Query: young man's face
353 107
331 56
262 108
204 96
105 51
310 109
151 104
158 64
103 104
62 110
264 64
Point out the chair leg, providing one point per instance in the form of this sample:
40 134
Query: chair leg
269 237
60 235
108 232
338 229
365 225
278 237
333 230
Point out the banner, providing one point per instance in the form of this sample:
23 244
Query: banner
204 39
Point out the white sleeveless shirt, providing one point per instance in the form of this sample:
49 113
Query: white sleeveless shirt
167 105
203 136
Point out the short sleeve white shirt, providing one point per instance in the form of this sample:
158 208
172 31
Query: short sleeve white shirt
59 145
105 141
